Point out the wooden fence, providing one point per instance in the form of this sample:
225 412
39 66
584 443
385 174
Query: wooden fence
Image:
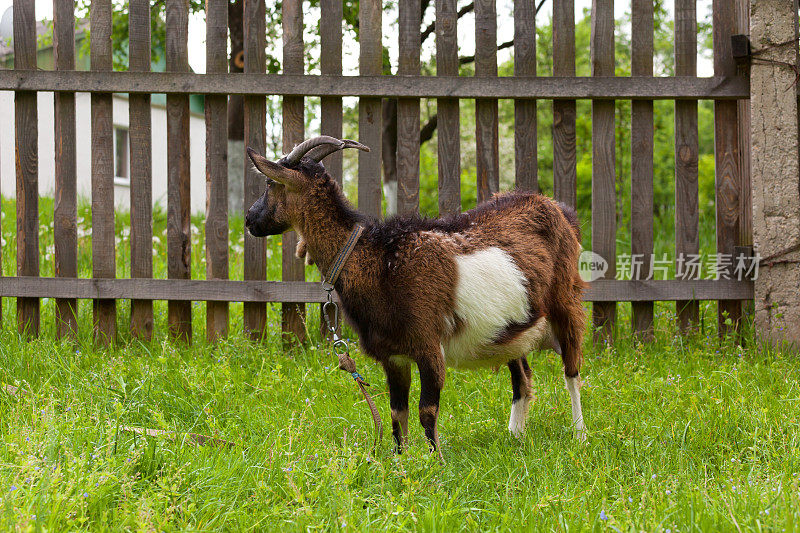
728 89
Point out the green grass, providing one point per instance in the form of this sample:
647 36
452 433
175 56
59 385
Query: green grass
686 433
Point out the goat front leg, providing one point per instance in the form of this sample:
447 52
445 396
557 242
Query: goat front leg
431 375
398 379
521 395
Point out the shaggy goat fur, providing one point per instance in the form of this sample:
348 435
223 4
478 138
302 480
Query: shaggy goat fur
480 288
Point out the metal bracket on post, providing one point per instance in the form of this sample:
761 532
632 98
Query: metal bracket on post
740 50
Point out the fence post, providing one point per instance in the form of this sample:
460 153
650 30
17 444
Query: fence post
487 154
330 29
370 122
103 245
687 233
525 126
64 208
141 168
448 121
293 269
565 177
408 111
642 160
216 111
774 169
179 235
604 198
255 248
27 166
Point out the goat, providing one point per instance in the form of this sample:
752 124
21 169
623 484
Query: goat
481 288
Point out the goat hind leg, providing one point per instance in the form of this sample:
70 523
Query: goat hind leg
521 395
431 376
568 327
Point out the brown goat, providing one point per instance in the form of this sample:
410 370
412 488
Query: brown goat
481 288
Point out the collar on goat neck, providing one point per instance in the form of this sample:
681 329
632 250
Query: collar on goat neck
341 258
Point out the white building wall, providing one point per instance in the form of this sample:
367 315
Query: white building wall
197 143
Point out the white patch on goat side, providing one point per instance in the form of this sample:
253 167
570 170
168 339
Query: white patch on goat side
490 293
573 386
519 413
390 192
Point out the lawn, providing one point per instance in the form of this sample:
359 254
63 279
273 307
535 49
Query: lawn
689 432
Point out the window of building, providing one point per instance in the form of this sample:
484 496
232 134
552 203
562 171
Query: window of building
122 169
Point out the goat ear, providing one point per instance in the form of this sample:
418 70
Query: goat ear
291 178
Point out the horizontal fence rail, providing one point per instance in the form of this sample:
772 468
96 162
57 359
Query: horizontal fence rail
312 292
543 87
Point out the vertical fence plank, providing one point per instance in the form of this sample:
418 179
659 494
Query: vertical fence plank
525 126
726 141
27 166
331 107
642 159
408 111
687 236
565 180
216 110
255 248
487 152
293 314
64 209
743 110
141 168
179 236
103 244
447 109
604 227
369 109
331 65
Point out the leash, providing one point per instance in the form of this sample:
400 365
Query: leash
340 346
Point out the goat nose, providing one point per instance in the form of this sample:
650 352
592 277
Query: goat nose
248 220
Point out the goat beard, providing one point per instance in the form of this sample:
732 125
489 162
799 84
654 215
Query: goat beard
301 252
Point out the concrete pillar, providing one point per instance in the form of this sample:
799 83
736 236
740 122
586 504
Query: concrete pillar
775 166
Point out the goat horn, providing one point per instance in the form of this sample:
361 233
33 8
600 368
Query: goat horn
326 145
321 152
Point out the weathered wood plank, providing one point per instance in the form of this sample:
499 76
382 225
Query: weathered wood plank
447 109
375 86
604 219
370 121
726 141
179 238
331 106
103 244
141 168
216 111
487 155
687 234
525 132
408 121
565 179
642 158
64 203
331 65
311 292
743 110
255 249
293 269
27 166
